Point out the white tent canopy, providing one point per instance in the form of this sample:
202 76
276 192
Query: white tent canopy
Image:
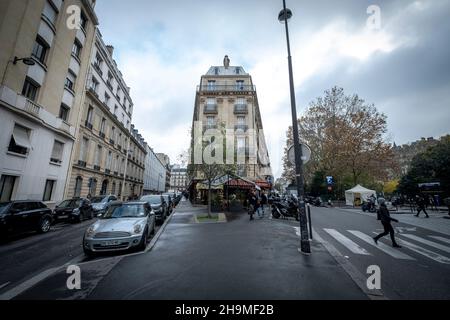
357 195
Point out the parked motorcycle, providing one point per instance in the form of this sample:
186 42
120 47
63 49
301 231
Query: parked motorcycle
369 206
286 208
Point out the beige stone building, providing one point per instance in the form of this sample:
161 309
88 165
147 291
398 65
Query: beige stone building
44 58
109 154
226 99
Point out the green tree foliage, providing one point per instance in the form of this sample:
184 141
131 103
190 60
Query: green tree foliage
433 165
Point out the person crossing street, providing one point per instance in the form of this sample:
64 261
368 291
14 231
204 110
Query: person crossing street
386 219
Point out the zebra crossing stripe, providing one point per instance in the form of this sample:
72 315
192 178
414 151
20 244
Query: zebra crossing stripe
353 247
425 252
386 249
427 242
440 239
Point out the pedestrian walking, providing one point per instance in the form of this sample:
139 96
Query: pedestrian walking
264 202
386 222
251 204
421 205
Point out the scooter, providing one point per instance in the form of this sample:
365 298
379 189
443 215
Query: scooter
285 209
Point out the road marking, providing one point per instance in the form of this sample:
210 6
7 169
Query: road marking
353 247
4 285
427 253
440 239
427 242
28 284
386 249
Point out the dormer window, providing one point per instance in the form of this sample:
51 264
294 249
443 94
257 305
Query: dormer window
238 70
216 70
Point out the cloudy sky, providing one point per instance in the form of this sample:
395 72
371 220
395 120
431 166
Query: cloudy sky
164 46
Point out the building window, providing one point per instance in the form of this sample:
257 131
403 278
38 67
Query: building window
241 121
107 97
211 101
50 13
90 115
211 85
48 190
113 134
78 184
64 112
76 49
92 185
98 63
30 89
120 190
238 70
102 126
70 81
40 49
83 21
239 85
110 80
7 187
20 140
108 160
216 71
57 152
115 110
240 144
84 148
94 84
98 155
210 121
113 188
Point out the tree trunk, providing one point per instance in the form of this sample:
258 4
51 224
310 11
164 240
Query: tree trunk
209 200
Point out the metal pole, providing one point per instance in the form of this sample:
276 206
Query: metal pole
304 241
310 222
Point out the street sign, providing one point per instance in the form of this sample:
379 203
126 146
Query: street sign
306 152
329 180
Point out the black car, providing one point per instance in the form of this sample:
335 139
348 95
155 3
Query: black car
21 216
76 209
169 200
158 204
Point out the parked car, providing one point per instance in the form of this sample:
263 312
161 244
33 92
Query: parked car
21 216
76 209
100 203
169 200
158 205
123 226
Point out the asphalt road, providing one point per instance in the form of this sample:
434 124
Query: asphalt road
26 255
419 270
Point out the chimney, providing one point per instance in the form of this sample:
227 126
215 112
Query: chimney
110 49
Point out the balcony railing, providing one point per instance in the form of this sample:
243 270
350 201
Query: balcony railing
107 171
97 168
210 109
82 163
88 124
102 135
32 107
111 141
209 126
242 127
240 109
225 88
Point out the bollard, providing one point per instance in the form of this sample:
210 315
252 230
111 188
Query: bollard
309 222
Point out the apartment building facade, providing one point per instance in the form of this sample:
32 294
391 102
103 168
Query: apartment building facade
154 174
101 153
226 100
136 164
43 63
178 178
165 160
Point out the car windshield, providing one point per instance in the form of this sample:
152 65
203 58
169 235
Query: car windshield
3 207
125 211
97 199
152 199
72 203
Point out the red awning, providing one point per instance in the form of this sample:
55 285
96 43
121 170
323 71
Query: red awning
237 183
263 184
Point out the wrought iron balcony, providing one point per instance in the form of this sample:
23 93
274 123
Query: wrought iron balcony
82 163
226 88
88 125
210 109
242 127
96 167
240 109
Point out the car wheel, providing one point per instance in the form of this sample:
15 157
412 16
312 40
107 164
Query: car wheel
88 253
143 243
44 225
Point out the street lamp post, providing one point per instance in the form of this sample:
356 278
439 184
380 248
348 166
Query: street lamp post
283 17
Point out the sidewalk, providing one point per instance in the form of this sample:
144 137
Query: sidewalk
235 260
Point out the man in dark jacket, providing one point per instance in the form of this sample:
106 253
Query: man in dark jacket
252 204
386 222
421 205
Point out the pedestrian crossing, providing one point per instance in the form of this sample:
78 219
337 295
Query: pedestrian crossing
432 247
